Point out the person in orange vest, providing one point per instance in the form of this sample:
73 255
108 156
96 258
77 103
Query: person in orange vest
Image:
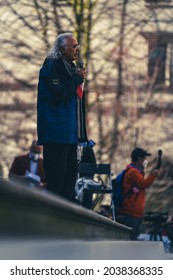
134 183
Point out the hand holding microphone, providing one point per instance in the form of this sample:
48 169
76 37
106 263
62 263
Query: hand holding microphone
81 69
80 64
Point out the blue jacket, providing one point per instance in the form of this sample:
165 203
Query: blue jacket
57 120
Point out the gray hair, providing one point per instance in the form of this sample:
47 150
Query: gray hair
60 42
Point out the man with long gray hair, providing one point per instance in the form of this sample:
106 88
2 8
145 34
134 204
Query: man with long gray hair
60 115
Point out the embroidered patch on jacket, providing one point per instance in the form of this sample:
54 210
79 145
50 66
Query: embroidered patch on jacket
55 81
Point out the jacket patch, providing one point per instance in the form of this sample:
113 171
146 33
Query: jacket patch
55 81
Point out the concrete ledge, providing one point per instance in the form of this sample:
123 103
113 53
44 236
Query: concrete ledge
44 249
29 212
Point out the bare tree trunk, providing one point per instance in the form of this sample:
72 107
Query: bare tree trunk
115 130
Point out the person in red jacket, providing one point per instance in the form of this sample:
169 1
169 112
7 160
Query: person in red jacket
28 168
135 183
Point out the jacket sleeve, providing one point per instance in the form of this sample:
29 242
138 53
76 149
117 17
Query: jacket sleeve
138 180
61 86
14 167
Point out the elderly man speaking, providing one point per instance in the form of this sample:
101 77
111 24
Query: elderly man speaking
60 115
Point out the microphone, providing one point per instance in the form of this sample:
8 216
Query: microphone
159 158
80 64
80 87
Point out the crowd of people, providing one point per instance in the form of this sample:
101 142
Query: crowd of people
61 126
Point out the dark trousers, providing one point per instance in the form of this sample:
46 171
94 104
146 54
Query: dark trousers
87 200
133 222
60 166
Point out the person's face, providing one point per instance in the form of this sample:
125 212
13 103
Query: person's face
143 162
71 51
36 149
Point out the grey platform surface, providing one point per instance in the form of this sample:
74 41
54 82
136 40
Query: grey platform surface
81 250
